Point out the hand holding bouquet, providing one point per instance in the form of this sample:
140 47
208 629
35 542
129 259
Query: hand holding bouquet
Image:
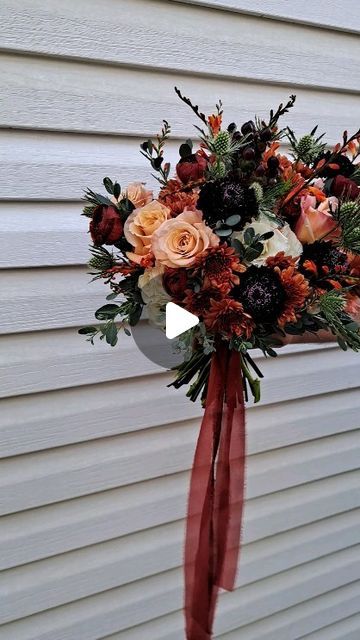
259 246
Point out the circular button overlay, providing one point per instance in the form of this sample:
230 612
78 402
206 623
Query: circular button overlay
161 317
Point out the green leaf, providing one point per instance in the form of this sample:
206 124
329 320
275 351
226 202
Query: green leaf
233 220
249 235
223 233
238 246
267 235
112 296
127 332
108 184
252 253
117 190
342 344
185 150
107 312
85 331
135 315
111 334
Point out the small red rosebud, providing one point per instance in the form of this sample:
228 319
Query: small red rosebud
175 282
106 226
191 168
343 187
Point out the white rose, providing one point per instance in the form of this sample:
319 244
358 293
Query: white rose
157 314
150 283
283 239
154 295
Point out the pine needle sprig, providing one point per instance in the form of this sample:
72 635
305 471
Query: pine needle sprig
270 198
96 198
348 217
101 261
332 308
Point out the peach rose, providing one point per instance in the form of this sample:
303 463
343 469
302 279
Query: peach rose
314 223
180 240
137 194
140 226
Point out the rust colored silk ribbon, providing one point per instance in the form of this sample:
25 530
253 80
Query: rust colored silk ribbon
216 495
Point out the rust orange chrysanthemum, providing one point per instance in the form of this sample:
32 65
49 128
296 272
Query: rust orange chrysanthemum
228 318
296 289
219 267
176 198
199 302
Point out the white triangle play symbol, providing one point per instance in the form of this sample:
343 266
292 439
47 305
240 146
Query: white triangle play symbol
178 320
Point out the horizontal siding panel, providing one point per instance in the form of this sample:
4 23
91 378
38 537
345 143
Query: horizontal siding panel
57 581
62 474
61 358
348 629
117 105
48 298
50 172
103 614
250 47
324 14
43 234
60 417
302 617
55 529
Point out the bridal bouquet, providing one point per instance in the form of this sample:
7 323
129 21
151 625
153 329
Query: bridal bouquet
258 245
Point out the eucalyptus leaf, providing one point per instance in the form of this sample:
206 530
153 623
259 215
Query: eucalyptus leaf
85 331
223 233
111 334
233 220
249 235
238 246
108 184
251 254
135 315
267 235
107 312
117 190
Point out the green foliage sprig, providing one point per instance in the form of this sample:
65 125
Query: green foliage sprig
348 216
332 308
153 152
308 147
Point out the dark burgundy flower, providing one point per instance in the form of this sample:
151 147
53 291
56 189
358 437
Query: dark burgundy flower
343 187
224 197
261 294
175 282
191 168
106 226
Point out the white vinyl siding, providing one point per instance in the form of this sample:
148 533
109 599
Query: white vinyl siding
96 450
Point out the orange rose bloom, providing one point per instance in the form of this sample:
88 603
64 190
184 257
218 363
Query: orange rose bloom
315 223
178 241
140 226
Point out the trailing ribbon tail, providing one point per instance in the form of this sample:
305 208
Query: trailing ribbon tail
216 495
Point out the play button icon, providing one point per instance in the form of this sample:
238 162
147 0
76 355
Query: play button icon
162 321
178 320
